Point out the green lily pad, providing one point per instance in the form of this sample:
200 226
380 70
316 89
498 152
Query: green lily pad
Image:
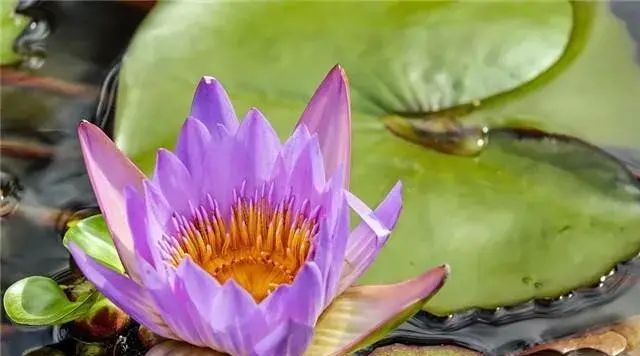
40 301
530 216
400 57
92 236
592 95
11 26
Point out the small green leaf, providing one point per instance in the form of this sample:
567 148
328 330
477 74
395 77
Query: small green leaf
40 301
93 237
11 25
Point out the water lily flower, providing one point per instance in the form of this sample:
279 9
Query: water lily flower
240 243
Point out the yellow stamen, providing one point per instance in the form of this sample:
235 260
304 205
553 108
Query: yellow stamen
260 246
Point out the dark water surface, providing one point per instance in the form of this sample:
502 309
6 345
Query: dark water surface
71 49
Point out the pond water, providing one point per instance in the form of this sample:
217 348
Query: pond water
72 52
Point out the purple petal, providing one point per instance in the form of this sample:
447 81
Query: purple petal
294 145
308 177
224 170
322 255
301 301
169 295
367 215
334 197
202 290
174 181
286 339
177 348
330 243
340 233
239 338
286 160
158 207
191 148
231 305
122 291
328 115
137 219
236 319
212 106
146 228
367 239
261 146
368 312
110 172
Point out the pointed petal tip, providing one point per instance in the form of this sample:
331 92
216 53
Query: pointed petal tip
84 124
447 269
338 78
209 84
212 106
163 154
86 129
209 80
397 191
328 114
338 72
433 279
254 113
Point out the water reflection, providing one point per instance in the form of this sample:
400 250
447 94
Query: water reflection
68 49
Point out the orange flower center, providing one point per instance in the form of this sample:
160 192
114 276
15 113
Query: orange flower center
260 246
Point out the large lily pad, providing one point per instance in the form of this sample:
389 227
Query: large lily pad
401 57
531 216
593 94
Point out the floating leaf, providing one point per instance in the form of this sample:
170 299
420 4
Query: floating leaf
592 96
40 301
93 237
11 25
532 215
400 57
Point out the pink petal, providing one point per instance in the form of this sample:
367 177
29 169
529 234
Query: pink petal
328 115
367 239
110 172
364 314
